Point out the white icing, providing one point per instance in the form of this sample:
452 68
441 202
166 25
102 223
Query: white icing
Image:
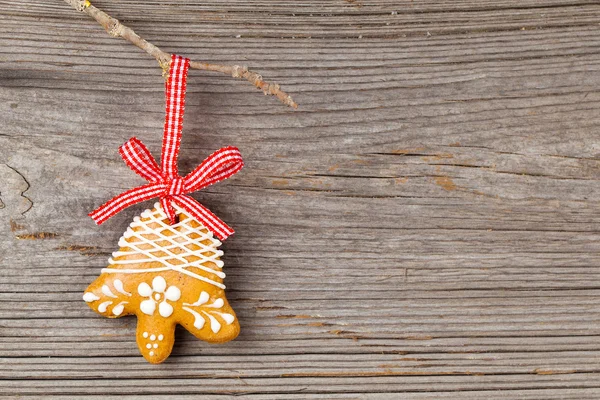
103 306
119 287
154 294
175 254
159 284
215 326
151 353
201 300
107 292
155 345
165 309
160 337
144 289
228 318
173 293
118 309
148 306
89 297
200 317
153 337
172 268
198 320
148 346
145 334
217 304
134 271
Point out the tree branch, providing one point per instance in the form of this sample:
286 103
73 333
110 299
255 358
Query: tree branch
117 29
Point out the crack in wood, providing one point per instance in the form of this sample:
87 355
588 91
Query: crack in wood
22 194
37 235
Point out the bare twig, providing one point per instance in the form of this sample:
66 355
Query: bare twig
117 29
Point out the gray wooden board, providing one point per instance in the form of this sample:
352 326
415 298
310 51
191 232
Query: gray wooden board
425 226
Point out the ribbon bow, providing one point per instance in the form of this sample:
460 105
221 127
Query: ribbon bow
164 181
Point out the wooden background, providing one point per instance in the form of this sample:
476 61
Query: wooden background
425 226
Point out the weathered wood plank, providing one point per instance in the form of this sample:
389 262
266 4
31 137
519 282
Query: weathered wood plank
426 225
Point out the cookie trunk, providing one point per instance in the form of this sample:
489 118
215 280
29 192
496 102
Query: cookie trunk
155 337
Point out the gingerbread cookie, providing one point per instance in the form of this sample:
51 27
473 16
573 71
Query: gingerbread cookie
166 275
168 269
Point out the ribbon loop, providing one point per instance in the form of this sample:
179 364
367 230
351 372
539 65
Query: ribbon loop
137 157
164 181
218 166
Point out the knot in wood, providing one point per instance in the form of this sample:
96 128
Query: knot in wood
81 5
114 27
238 71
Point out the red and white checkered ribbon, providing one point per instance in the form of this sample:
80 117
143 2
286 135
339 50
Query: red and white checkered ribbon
164 181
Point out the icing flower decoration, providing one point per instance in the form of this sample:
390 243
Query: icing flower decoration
158 293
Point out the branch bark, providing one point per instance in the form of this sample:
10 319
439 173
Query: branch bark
116 29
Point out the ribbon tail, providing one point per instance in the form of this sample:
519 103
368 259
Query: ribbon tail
205 216
124 200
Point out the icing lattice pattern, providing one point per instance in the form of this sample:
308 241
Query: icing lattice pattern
176 247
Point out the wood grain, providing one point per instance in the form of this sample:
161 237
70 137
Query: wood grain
425 226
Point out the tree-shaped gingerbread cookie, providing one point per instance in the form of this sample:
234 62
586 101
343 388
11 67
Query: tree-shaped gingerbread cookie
167 270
